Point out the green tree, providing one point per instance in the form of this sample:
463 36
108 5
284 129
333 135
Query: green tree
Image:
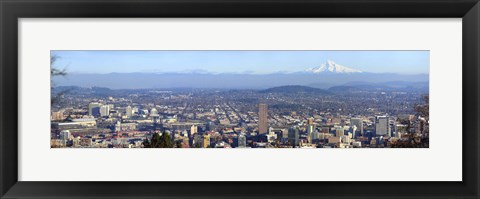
159 141
423 109
146 144
55 72
166 141
153 142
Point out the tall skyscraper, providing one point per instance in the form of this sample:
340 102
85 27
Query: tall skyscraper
382 126
128 111
358 123
193 130
310 130
339 131
94 108
104 110
262 119
293 136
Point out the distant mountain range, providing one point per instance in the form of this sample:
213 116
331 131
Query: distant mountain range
383 86
229 81
351 87
327 75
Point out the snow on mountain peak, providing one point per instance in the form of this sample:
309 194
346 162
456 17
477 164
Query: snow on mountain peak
332 67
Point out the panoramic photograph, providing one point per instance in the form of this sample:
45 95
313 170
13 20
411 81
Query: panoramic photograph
312 99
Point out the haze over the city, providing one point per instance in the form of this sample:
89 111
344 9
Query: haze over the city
238 69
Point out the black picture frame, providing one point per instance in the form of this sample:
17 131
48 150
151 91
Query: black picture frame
12 10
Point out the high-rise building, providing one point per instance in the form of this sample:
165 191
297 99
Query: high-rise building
293 136
128 111
65 135
310 130
354 130
262 119
94 108
358 123
382 126
339 131
242 141
104 110
193 130
206 141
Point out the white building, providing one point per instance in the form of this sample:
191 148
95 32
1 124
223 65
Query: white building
128 111
104 110
193 130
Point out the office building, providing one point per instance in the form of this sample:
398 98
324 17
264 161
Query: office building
65 135
358 123
94 108
262 119
128 111
354 131
382 126
193 130
119 127
310 129
293 136
339 131
104 110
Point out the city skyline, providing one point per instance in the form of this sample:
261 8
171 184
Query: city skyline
330 104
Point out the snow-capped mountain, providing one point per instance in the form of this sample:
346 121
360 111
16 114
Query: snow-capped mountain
332 67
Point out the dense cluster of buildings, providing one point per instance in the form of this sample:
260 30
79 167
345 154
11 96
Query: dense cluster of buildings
123 122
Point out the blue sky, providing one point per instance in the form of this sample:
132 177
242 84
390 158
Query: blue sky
258 62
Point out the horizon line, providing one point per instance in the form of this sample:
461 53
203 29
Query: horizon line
241 73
